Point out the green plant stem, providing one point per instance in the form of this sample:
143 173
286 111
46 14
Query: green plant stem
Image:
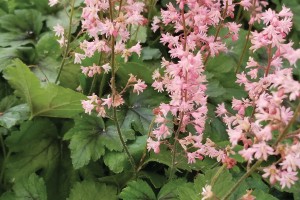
269 59
246 175
101 87
114 92
216 176
3 146
142 160
173 160
218 31
68 42
4 165
244 50
285 131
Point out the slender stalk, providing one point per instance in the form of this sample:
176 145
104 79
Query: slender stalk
246 175
244 50
68 42
173 161
101 87
216 176
4 165
218 31
114 92
3 146
145 149
269 59
246 43
285 131
95 76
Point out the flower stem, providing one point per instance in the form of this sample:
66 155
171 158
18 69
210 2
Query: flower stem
246 175
142 160
113 87
68 42
218 31
244 50
285 131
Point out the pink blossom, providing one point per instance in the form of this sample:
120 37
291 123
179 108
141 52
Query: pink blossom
151 144
221 110
88 106
106 68
52 2
287 178
59 30
262 150
271 172
140 86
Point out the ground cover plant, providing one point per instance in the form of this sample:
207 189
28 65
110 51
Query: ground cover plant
170 99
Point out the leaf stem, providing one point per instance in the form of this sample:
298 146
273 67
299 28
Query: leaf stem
246 175
68 42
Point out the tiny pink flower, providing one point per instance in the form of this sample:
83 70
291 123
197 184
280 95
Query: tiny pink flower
52 2
140 86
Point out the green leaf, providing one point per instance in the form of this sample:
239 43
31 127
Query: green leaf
135 66
261 194
139 112
30 188
14 39
136 190
156 179
165 157
47 46
14 115
214 89
62 18
89 138
149 53
49 101
88 190
187 192
34 148
138 33
117 161
222 184
169 190
27 21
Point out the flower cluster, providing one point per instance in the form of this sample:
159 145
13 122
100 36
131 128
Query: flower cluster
264 132
108 24
183 78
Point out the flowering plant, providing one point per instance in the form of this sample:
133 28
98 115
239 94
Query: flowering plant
179 99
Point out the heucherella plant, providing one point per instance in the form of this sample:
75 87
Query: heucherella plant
176 99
